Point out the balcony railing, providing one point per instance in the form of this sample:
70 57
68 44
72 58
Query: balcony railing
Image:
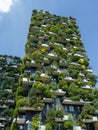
69 78
87 87
74 63
30 108
79 55
58 92
47 100
2 119
93 119
89 70
21 120
32 64
69 101
44 77
27 81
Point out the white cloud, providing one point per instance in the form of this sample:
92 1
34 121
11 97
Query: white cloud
5 5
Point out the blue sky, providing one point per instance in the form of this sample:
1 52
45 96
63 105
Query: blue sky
15 19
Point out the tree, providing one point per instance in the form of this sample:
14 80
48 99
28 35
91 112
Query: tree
50 118
69 123
35 122
87 111
48 126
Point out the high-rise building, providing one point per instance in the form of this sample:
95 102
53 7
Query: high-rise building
9 76
57 86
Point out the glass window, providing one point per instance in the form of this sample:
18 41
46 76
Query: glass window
74 115
71 108
32 73
78 108
66 108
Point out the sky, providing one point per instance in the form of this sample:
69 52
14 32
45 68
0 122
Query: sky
15 18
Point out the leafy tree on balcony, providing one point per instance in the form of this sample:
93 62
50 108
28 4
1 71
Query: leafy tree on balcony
87 112
51 119
68 124
35 122
63 85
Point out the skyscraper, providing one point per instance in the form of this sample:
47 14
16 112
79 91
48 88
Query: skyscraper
9 76
57 86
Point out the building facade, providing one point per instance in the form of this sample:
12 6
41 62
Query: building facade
57 86
9 76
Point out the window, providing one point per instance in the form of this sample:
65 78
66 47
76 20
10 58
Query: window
78 109
66 108
74 115
47 106
71 108
32 73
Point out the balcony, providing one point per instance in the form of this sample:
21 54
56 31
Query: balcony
69 101
43 25
52 33
69 78
75 38
64 23
85 81
46 60
11 101
2 119
44 77
74 63
81 74
67 39
22 109
27 81
4 106
93 119
32 64
21 120
58 92
45 46
64 49
87 87
89 70
47 100
79 55
52 55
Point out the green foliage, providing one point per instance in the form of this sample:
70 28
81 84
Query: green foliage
22 102
63 85
68 124
48 126
14 126
50 118
7 112
59 113
35 122
96 125
87 112
86 95
16 112
95 103
73 90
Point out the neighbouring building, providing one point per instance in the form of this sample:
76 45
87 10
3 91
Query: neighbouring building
9 76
